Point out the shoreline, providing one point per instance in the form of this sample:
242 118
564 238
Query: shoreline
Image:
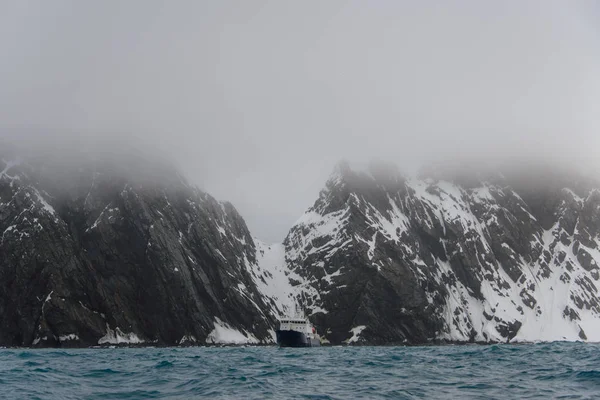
241 345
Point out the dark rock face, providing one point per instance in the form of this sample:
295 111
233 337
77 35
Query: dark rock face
128 252
384 259
103 257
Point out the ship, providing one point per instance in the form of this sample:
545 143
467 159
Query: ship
297 331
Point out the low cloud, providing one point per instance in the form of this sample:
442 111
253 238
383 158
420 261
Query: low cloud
256 101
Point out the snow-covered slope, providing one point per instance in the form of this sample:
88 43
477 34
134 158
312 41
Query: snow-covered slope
272 278
380 258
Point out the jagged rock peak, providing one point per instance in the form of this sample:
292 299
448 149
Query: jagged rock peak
359 177
464 254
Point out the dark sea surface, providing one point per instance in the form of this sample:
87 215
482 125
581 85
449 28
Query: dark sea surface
558 370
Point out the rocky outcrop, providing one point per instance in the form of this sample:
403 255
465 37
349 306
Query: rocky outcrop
451 256
103 254
126 251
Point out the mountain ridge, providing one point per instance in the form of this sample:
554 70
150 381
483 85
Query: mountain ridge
456 247
112 255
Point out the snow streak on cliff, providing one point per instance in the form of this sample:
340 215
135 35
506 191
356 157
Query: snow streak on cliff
117 255
478 259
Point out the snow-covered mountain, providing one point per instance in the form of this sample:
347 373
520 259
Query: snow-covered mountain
451 256
129 252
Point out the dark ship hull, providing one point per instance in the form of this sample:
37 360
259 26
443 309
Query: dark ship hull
295 339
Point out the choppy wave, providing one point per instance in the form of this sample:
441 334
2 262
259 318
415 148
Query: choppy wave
568 370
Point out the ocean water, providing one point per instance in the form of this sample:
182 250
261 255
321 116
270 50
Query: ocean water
558 370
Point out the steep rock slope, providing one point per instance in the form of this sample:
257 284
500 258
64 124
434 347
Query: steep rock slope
384 259
118 253
126 251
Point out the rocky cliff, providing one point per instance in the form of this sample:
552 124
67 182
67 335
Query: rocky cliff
453 255
107 253
126 251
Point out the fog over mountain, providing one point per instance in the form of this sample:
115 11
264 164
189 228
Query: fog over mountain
255 102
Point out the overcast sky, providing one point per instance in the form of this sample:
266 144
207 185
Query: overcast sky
257 100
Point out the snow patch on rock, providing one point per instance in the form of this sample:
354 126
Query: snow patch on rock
223 333
69 337
117 336
356 331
